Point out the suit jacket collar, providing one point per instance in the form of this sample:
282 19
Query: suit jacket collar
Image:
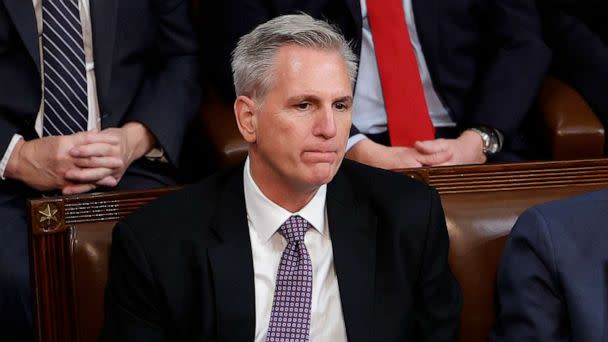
103 23
427 17
24 18
353 237
232 264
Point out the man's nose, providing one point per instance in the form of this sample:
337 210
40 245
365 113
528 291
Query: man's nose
325 123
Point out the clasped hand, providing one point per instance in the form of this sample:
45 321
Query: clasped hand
466 149
79 162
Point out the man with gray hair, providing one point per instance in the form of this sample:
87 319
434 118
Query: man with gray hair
297 244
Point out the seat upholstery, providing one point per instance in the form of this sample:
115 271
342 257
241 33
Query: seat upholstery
90 248
71 237
572 128
478 225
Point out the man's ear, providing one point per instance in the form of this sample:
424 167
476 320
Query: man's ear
246 119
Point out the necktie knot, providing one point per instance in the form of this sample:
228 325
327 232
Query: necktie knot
294 228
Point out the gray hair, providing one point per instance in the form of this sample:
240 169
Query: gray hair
254 56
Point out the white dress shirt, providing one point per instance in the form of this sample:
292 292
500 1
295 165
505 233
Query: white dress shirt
87 37
369 114
264 218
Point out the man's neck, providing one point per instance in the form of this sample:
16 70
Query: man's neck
292 200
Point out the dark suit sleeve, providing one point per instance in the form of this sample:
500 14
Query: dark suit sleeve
528 298
131 301
438 308
169 97
7 129
516 66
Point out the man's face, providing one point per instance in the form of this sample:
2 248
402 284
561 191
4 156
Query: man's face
303 122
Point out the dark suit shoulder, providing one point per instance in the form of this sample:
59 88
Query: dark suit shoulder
573 211
580 218
401 204
179 213
383 183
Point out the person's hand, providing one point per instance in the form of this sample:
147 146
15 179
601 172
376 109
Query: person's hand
120 148
466 149
42 163
392 158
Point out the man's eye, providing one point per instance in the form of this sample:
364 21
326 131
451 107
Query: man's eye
303 106
341 106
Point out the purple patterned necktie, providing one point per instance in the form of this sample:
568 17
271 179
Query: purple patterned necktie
290 316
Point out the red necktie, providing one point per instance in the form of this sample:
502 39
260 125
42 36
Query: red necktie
407 114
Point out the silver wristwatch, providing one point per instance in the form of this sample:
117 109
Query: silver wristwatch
492 139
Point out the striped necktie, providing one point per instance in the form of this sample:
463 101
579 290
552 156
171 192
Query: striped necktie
65 82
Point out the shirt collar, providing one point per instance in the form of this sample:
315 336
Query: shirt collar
266 217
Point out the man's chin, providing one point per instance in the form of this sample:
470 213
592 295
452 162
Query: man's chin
322 173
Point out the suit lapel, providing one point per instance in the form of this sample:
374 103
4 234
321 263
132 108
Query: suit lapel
232 265
426 14
103 23
24 17
353 237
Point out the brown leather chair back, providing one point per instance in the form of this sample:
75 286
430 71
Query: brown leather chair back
71 237
70 247
478 225
481 205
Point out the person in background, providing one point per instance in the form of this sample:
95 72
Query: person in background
439 82
94 96
553 277
297 244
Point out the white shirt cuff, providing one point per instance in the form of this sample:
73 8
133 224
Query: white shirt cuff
8 153
354 139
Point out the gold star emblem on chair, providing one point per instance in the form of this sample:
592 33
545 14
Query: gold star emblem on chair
48 215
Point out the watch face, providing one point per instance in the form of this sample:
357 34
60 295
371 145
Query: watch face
486 140
491 139
493 148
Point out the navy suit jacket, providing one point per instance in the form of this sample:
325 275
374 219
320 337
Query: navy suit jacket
486 58
553 275
146 67
181 268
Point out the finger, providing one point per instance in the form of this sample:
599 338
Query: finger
87 175
94 162
411 164
73 189
95 137
429 146
109 181
435 159
94 150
